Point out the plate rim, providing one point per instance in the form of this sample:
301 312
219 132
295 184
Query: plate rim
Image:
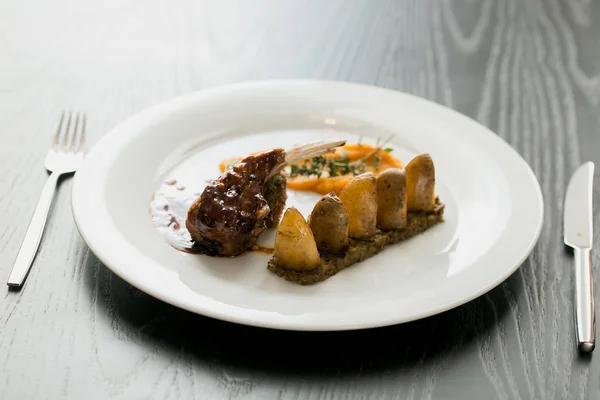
144 114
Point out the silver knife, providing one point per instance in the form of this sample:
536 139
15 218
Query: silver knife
579 234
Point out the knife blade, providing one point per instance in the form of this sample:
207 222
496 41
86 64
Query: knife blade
578 234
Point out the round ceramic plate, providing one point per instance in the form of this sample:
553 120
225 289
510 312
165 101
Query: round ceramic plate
493 201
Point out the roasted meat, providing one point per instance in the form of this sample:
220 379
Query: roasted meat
232 211
236 208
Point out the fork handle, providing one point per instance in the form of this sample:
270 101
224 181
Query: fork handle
33 236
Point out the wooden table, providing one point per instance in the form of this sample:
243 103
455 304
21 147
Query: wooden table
528 69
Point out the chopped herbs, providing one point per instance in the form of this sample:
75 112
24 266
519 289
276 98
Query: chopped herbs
388 150
330 167
320 166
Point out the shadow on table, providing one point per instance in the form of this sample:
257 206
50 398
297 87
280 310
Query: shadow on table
338 353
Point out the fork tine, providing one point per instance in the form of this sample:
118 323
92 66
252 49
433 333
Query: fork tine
65 138
58 130
75 134
81 135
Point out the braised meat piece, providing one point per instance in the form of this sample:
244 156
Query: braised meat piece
233 210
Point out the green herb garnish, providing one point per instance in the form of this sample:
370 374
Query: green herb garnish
318 166
332 166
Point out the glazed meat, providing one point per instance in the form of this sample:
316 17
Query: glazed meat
233 210
247 198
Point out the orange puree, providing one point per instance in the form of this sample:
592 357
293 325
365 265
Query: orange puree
353 152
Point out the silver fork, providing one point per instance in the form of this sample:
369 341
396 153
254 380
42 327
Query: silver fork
64 157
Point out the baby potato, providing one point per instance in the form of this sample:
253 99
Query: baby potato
329 224
420 183
295 246
391 199
360 199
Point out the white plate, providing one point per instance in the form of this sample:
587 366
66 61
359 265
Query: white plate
493 215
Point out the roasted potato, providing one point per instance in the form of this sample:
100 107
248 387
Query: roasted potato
360 199
329 224
295 246
391 199
420 184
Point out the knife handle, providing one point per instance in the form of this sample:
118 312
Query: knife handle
584 301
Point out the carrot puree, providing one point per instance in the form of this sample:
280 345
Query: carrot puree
327 184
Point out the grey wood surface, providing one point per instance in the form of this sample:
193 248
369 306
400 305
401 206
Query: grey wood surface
528 69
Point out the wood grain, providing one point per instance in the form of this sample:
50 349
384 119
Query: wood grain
528 69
